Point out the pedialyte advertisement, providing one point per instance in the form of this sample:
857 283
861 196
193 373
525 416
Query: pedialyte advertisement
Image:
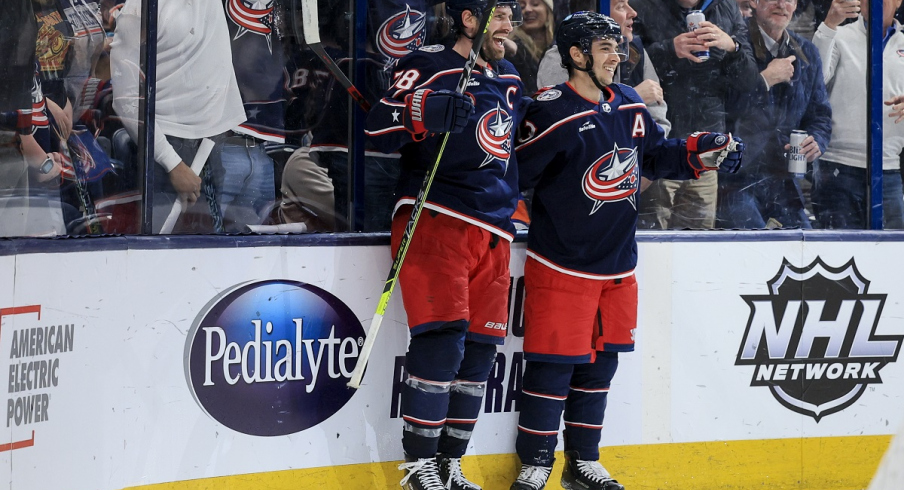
135 367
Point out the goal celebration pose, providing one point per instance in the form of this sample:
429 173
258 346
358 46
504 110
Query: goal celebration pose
583 146
455 278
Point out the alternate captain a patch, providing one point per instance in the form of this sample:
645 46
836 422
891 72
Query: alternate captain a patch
613 177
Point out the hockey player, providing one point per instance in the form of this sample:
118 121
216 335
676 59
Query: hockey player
583 147
455 277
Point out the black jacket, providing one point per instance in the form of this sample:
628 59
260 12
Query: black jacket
765 118
696 92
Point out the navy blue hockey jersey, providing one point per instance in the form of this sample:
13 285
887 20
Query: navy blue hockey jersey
477 179
584 158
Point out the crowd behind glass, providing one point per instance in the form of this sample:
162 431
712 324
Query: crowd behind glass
252 130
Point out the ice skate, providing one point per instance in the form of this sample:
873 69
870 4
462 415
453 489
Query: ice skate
451 474
423 474
531 478
586 475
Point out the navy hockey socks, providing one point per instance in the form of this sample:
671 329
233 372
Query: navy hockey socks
543 394
465 398
586 405
432 362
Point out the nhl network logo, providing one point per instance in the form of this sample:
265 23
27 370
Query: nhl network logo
812 340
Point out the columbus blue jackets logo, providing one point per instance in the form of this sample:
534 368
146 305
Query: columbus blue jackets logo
252 16
614 177
494 135
812 339
402 33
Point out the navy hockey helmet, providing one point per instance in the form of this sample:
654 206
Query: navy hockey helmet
582 28
456 7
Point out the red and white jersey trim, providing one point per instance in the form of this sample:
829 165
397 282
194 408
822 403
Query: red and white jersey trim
455 214
261 135
585 275
554 126
638 105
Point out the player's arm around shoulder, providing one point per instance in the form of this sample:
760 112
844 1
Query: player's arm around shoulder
537 142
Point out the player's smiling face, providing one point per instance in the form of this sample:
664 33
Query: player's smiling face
499 29
605 59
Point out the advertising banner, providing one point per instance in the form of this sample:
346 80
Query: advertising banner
134 367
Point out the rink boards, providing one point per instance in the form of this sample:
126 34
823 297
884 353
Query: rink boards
759 364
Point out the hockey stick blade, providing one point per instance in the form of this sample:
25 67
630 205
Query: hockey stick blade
389 285
311 27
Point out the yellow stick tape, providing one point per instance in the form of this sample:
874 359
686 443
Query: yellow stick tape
828 463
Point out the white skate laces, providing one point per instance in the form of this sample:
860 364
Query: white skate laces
423 473
593 471
533 477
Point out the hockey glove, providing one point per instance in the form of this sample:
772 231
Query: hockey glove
441 111
714 151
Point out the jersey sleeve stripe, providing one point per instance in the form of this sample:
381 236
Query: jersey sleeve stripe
384 131
570 272
554 126
632 106
430 80
440 74
391 103
512 76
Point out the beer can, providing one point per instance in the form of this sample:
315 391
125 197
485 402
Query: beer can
797 161
693 19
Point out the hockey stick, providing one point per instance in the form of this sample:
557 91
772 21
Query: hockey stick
197 164
419 202
310 25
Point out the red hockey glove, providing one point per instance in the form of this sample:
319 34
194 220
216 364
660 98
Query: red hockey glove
714 151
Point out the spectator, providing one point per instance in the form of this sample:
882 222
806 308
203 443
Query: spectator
840 178
19 214
307 194
18 32
695 90
790 95
323 104
529 41
746 8
197 95
244 176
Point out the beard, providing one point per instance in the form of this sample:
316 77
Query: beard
490 51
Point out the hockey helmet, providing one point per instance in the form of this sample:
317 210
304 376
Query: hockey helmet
456 7
582 28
